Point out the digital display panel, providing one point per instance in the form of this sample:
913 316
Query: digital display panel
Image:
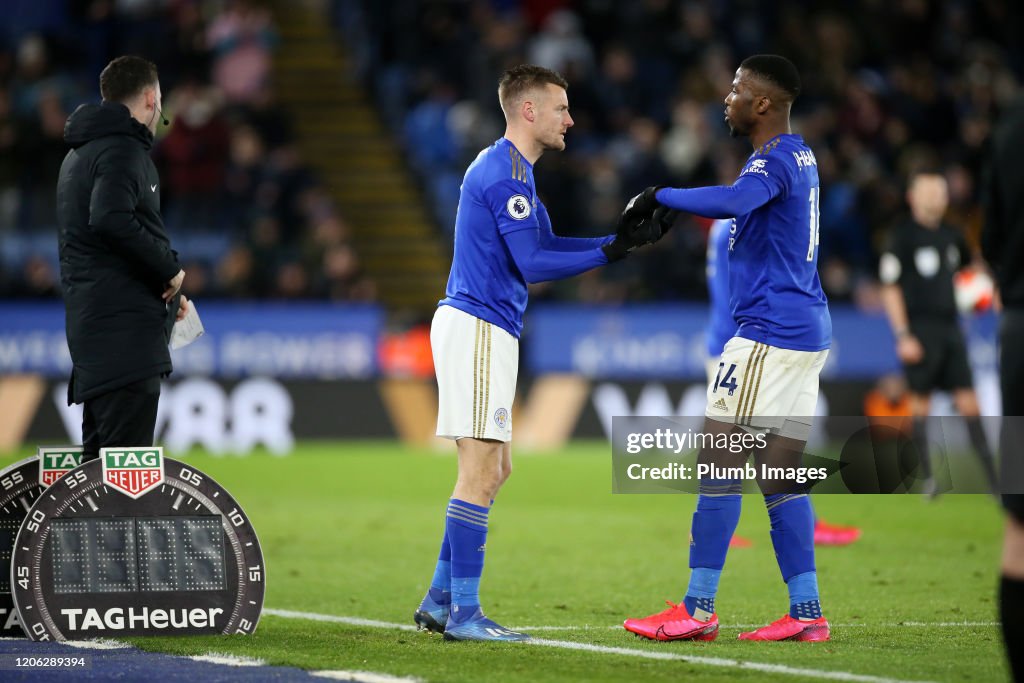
8 530
137 554
131 543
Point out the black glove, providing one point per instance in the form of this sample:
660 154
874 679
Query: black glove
618 248
627 238
642 205
637 231
664 218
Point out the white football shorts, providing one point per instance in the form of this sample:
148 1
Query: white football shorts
765 387
477 365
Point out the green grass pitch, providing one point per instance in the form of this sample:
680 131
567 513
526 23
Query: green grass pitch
352 529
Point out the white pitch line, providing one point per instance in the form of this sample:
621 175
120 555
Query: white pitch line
623 651
363 677
718 661
354 621
226 660
936 624
100 644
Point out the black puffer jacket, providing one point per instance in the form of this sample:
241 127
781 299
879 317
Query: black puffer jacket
115 257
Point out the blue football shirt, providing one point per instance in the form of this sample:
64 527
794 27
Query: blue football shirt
503 239
498 196
774 289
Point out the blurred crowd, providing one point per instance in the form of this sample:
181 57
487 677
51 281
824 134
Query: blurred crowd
887 85
248 217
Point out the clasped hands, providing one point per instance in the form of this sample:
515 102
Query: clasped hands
643 221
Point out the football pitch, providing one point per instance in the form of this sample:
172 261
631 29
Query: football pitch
350 532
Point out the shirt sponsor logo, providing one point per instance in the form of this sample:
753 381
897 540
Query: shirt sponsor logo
756 166
518 206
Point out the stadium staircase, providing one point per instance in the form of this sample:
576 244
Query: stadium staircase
340 134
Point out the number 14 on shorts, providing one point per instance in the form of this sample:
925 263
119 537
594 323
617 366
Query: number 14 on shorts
726 382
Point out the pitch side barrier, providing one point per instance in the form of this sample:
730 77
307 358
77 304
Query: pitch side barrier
325 341
769 455
666 342
295 340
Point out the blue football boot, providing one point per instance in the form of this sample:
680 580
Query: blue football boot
432 614
479 627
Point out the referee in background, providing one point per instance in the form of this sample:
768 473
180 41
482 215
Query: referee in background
1003 246
119 275
916 271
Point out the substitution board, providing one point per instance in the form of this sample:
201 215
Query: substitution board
20 485
134 543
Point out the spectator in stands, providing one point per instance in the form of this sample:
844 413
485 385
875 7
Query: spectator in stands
9 166
242 39
192 157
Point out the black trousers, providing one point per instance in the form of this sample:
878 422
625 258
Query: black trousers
1011 384
122 417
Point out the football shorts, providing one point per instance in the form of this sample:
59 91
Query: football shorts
477 365
764 387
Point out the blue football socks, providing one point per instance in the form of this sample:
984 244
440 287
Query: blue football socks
793 538
714 522
803 596
440 585
466 528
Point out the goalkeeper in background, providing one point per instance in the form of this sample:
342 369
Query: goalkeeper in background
503 241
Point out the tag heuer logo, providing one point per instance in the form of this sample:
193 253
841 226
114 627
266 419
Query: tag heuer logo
133 471
55 462
720 405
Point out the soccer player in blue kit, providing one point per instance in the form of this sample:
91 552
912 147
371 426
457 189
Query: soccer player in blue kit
767 375
503 240
722 328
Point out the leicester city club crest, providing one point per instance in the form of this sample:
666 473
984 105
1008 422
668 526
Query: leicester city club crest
501 418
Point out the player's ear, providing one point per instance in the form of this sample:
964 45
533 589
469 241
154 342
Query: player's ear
528 110
764 103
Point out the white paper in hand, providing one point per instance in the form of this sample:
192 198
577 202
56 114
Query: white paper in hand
188 329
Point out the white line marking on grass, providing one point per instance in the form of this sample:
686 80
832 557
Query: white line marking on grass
227 660
363 677
624 651
354 621
717 661
942 624
100 644
895 624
